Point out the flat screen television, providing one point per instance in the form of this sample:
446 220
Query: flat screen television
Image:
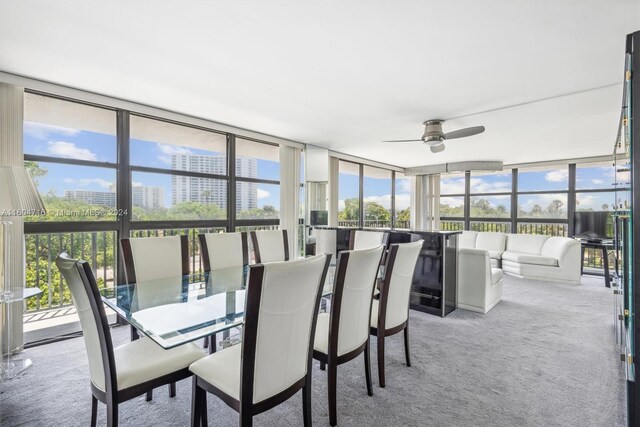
319 218
593 225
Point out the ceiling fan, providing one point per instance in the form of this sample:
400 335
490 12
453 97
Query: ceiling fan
434 137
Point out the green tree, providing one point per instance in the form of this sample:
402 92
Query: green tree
351 211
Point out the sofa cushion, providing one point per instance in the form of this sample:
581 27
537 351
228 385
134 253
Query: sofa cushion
494 243
526 243
467 239
496 275
529 259
495 262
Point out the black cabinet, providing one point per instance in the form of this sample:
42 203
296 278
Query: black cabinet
433 289
434 285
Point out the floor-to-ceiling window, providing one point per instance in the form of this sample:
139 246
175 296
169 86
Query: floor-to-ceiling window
490 201
372 197
402 201
377 192
107 173
452 201
540 200
348 194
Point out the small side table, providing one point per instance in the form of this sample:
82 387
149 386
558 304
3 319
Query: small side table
603 246
12 366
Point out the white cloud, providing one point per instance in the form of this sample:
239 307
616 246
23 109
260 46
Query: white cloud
454 202
597 181
452 186
479 185
44 131
85 182
263 194
384 200
340 205
70 150
167 150
557 176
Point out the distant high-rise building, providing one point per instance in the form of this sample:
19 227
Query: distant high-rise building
213 191
101 198
146 196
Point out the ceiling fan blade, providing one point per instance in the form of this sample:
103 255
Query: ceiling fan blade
461 133
404 140
437 148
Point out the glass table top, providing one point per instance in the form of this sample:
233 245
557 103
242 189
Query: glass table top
176 310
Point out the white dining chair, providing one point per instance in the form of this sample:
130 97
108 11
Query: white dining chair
223 251
151 258
121 373
390 313
274 359
363 239
343 334
270 245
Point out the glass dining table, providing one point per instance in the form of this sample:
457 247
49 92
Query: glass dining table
175 310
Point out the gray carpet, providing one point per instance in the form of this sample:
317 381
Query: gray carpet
544 356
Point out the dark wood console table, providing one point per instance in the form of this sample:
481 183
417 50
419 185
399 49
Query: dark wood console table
603 246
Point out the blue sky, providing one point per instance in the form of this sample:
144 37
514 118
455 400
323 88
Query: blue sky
57 141
47 140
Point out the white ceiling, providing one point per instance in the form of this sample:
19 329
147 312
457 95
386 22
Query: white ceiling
346 75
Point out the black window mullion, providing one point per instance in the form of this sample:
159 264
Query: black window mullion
231 188
360 195
393 199
123 179
571 198
467 200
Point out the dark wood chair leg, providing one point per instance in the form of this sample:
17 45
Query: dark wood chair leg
332 375
306 402
323 366
203 409
196 403
246 419
212 343
94 411
172 390
205 344
381 358
149 396
367 369
112 415
134 334
406 345
203 413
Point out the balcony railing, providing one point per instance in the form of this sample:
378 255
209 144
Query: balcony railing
98 248
368 223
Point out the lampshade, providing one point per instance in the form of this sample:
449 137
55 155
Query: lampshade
18 193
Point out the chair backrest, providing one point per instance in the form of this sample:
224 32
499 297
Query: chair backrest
93 320
270 245
280 320
354 281
362 239
394 296
149 258
222 250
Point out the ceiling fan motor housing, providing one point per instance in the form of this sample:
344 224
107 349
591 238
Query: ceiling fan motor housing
433 134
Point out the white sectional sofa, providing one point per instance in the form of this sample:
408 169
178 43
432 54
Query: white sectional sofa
554 259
